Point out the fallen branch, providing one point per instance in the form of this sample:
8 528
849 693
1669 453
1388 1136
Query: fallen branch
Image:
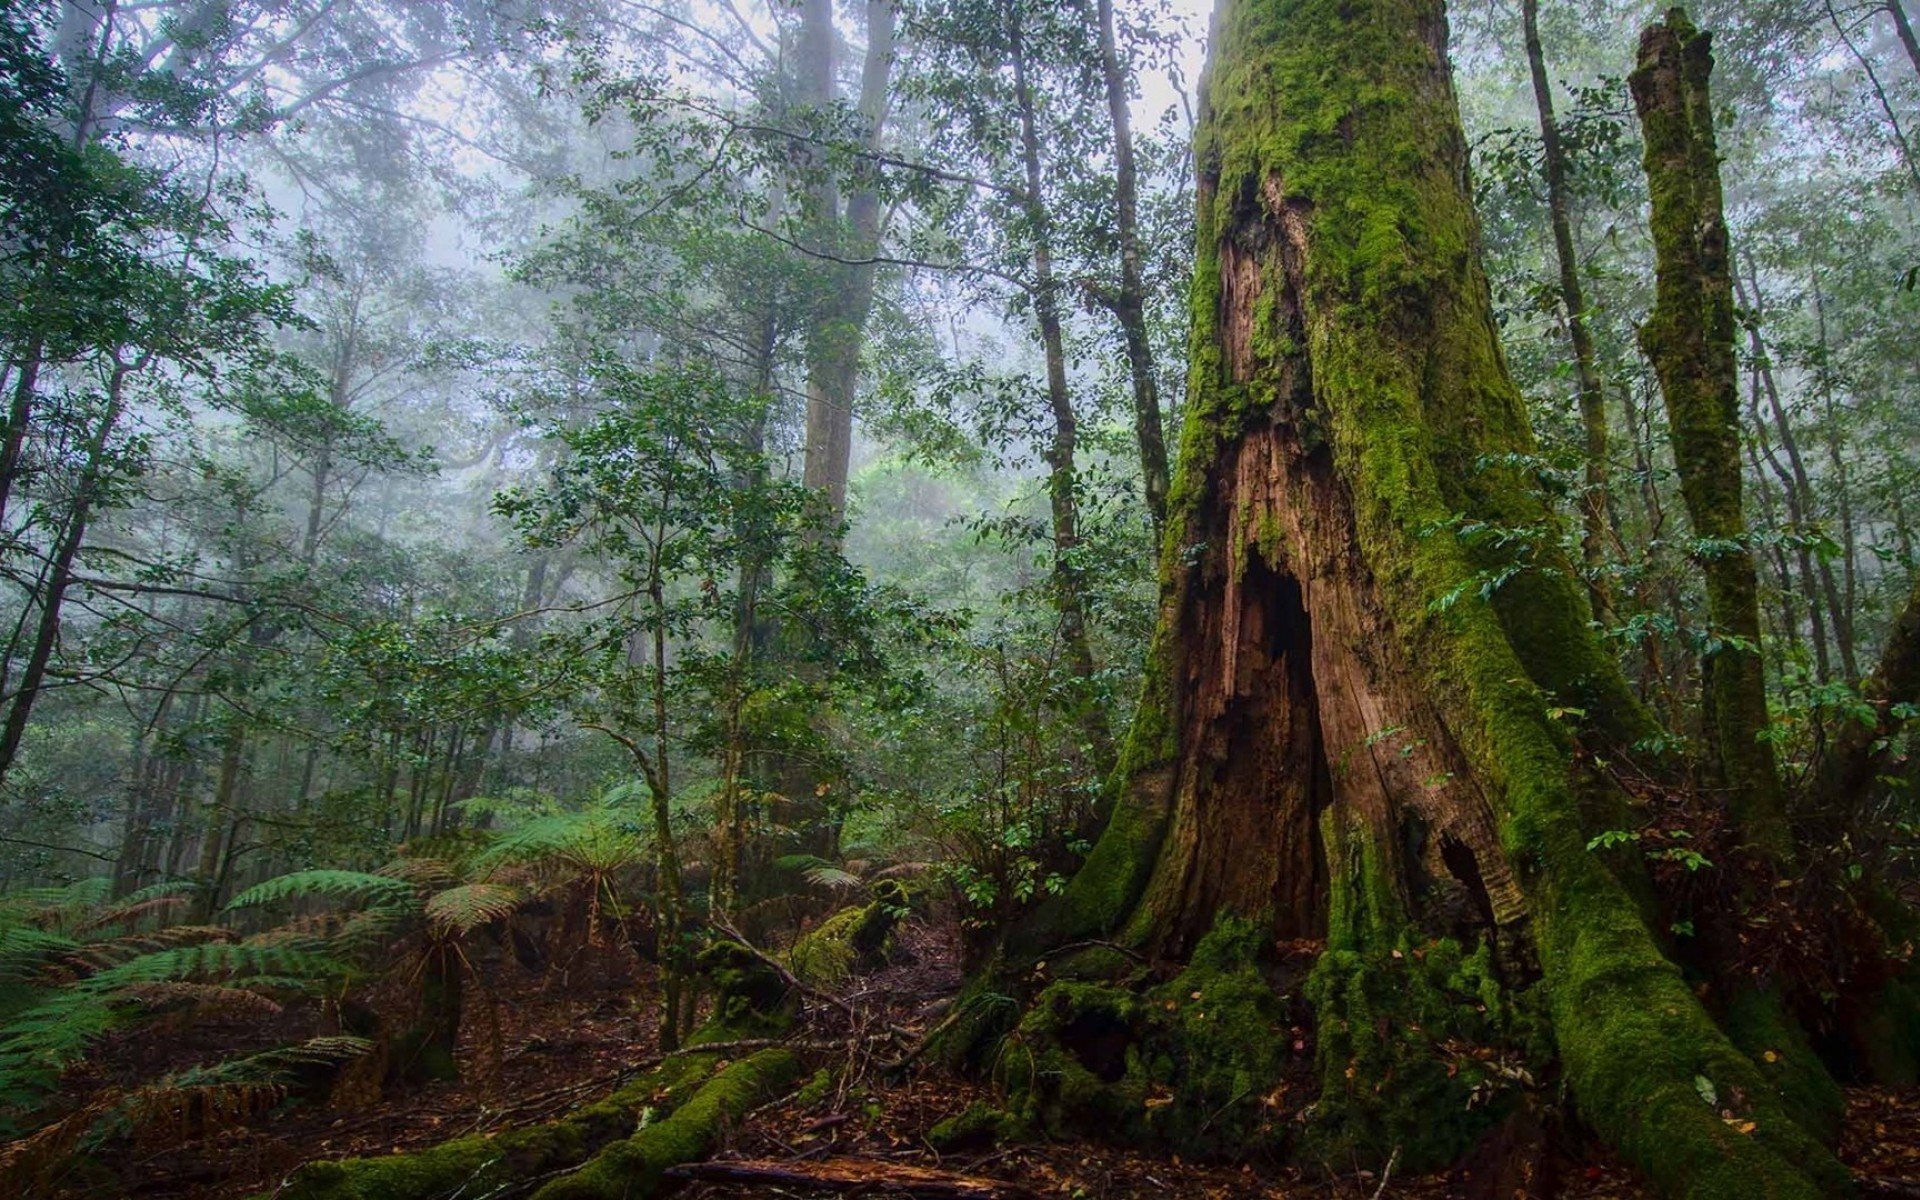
856 1175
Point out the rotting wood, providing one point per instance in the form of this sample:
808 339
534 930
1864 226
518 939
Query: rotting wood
855 1176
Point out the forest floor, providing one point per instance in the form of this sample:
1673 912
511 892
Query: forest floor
564 1046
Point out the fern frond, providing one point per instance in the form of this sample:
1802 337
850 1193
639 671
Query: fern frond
154 900
170 1114
458 911
421 872
230 961
595 840
28 1164
26 951
43 1040
205 999
93 957
282 1064
832 878
133 914
337 885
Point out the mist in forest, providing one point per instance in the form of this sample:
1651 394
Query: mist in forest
548 494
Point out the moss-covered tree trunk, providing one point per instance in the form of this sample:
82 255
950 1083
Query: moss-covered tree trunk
1689 338
1367 723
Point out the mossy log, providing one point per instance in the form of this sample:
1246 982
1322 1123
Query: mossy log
667 1116
481 1163
631 1169
852 940
1374 701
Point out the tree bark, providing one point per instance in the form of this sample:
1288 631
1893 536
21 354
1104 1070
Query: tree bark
1689 339
1904 28
1860 750
1346 735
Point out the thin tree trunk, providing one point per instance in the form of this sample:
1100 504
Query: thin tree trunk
1689 339
1860 751
60 574
1594 509
1129 304
1069 584
837 329
1904 28
19 416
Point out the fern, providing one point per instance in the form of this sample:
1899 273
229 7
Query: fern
25 952
598 840
195 1103
819 872
339 885
458 911
160 898
42 1041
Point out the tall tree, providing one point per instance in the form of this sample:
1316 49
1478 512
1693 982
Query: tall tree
1356 720
1128 301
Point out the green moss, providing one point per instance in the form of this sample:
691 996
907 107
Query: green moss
979 1125
853 939
750 999
1421 1051
1190 1065
1758 1023
815 1089
631 1169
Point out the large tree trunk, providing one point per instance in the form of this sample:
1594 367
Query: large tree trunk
1360 723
